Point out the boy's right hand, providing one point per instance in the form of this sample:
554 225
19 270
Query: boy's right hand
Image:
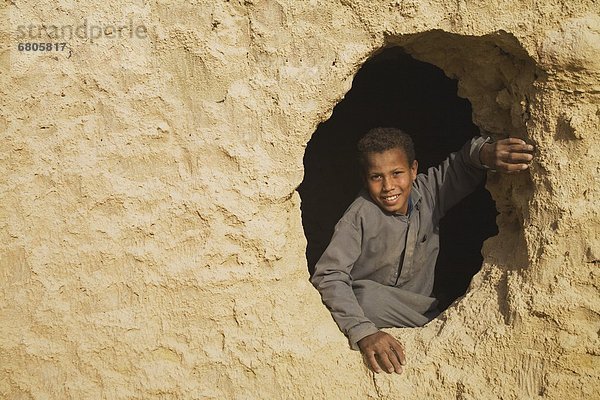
382 352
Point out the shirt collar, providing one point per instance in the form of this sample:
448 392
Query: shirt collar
413 200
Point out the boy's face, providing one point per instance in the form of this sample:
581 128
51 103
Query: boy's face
389 179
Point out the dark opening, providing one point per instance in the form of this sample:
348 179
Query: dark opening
393 89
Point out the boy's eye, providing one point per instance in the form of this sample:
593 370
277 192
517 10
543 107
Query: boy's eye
396 173
375 177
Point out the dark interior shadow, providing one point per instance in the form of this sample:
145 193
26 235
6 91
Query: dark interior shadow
393 89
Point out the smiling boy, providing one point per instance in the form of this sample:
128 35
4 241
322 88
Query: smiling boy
378 269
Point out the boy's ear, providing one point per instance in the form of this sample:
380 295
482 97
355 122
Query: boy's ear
414 168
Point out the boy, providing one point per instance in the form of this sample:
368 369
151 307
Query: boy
377 271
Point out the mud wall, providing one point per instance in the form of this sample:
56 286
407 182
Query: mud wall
152 244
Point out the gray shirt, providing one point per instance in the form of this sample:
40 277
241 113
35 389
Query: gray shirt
370 244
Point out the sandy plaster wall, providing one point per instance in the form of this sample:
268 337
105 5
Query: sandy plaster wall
152 244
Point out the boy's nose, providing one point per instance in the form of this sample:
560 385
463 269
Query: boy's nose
387 184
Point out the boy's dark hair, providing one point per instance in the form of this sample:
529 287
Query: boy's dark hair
378 140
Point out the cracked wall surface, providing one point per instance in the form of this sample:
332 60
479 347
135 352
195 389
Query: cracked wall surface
152 244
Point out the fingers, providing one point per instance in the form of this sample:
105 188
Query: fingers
512 141
388 361
513 145
382 352
384 361
521 147
399 351
372 362
512 155
396 361
511 168
511 162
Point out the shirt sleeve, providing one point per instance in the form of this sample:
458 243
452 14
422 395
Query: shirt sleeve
454 178
333 280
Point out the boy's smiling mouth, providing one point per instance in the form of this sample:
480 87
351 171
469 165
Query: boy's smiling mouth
391 198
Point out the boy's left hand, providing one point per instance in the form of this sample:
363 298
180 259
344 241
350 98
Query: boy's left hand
507 155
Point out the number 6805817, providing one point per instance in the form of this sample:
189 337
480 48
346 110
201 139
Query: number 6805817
41 46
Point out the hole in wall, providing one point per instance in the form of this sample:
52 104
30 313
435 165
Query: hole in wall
394 89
